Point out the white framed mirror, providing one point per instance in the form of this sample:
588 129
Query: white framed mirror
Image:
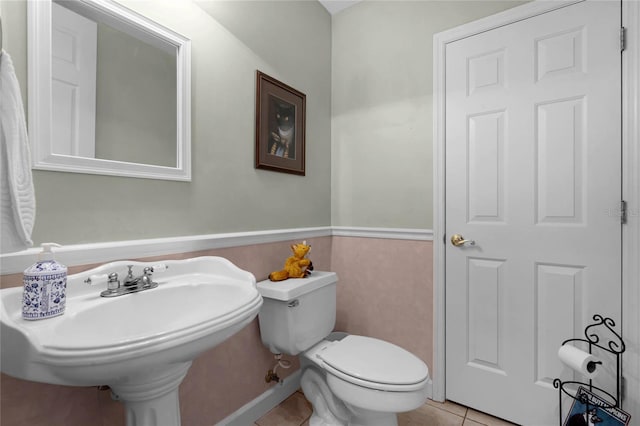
109 91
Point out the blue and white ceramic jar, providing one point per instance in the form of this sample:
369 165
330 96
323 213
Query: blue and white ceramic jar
45 286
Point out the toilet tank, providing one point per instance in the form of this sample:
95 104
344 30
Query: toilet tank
297 313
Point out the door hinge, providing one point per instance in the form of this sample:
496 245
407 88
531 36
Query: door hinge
623 38
623 212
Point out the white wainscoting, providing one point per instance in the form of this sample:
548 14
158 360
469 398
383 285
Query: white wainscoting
81 254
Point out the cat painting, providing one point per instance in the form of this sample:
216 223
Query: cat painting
282 136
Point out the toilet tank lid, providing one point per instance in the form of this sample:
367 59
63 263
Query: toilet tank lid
294 287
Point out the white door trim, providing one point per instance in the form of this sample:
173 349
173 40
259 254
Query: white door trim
631 179
631 193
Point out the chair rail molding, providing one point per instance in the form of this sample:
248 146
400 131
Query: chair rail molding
384 233
83 254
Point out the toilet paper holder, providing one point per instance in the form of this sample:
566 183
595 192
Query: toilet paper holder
614 345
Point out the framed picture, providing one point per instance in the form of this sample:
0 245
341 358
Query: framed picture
280 126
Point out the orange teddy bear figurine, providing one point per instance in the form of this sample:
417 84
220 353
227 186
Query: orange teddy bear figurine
296 266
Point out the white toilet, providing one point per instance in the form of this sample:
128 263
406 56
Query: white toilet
350 380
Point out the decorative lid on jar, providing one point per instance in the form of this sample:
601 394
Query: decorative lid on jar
45 285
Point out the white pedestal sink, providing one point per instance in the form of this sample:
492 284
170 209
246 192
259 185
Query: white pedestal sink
140 344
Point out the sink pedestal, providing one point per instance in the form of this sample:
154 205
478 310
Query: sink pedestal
152 399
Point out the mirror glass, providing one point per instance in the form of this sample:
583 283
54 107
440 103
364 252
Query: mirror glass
111 91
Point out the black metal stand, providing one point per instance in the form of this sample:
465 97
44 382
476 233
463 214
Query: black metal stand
614 346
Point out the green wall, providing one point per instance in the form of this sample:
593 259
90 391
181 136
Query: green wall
367 74
382 66
290 41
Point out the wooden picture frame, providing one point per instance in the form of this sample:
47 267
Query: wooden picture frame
280 126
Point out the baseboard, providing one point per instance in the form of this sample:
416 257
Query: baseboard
253 410
430 389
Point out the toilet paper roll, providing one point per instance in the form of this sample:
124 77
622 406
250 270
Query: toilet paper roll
579 360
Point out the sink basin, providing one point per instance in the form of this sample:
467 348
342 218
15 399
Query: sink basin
140 344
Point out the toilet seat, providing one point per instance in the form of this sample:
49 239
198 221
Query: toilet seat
374 364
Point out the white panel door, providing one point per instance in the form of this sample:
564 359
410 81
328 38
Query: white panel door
73 85
533 176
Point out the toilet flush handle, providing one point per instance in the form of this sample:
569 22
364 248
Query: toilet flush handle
293 303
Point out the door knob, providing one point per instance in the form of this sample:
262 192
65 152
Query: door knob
458 240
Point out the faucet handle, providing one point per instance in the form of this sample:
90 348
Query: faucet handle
155 268
112 280
160 267
130 273
113 283
147 280
95 279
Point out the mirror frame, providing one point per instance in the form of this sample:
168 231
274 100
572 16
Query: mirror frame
40 95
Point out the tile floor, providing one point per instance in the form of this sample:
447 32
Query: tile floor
296 410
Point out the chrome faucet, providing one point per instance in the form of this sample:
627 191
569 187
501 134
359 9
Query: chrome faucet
131 284
143 280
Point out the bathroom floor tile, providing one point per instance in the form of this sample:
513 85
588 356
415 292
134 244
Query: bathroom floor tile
449 406
293 411
296 411
429 415
468 422
486 419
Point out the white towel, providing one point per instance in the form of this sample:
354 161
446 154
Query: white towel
17 202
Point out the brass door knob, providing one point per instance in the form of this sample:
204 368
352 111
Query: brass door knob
458 240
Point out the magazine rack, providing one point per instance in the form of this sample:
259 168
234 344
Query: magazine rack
614 346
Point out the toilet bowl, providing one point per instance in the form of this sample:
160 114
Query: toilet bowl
350 380
372 379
